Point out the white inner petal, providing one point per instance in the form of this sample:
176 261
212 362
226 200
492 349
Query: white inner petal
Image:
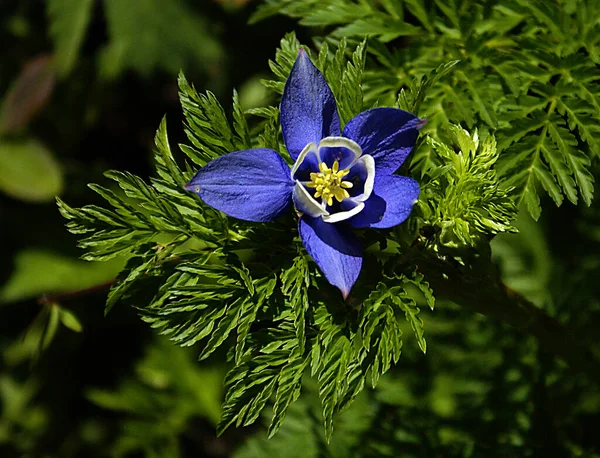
307 149
306 203
341 216
369 164
309 204
329 142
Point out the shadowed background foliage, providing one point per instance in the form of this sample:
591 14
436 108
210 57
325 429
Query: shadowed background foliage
83 86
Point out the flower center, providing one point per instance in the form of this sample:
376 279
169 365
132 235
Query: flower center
328 183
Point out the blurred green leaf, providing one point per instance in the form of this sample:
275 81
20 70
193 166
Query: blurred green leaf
68 22
253 94
69 319
22 418
169 389
165 370
39 272
296 439
146 35
39 335
50 327
525 261
18 25
28 171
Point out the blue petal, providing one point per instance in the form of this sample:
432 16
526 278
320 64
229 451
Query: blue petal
253 185
387 134
308 109
390 204
357 176
335 249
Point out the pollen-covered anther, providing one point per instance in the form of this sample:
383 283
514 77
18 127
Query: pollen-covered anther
328 183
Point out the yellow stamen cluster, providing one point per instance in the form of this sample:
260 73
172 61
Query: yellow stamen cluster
328 183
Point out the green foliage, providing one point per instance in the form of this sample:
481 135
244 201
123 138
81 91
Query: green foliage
270 367
525 261
285 57
411 98
486 374
168 46
379 325
509 92
410 416
202 278
187 310
527 71
144 214
167 390
40 272
41 333
139 39
356 18
22 418
189 277
69 20
207 127
26 161
295 282
344 76
462 196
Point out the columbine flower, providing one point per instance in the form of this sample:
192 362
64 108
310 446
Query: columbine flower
338 181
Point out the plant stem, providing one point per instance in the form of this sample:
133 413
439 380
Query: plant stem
72 294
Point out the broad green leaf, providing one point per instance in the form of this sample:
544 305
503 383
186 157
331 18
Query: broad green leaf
28 171
41 272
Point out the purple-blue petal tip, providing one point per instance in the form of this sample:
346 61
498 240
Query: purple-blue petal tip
335 250
421 123
308 108
345 293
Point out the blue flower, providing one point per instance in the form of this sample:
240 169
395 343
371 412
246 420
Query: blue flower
339 180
